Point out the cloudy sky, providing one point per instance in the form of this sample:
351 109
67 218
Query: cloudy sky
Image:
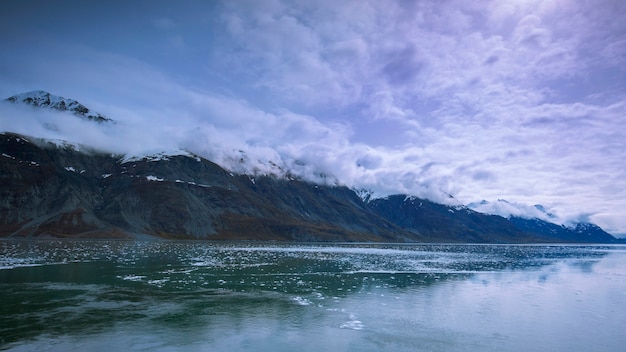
523 100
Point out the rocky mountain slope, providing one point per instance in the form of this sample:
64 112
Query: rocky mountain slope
59 191
56 189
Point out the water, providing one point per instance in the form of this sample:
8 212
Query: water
195 296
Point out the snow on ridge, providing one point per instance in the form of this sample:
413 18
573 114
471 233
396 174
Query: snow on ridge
157 156
63 144
409 198
73 169
40 98
508 209
193 183
366 195
240 163
58 143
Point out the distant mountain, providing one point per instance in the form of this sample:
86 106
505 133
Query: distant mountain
43 99
506 209
461 224
448 223
538 221
580 232
52 189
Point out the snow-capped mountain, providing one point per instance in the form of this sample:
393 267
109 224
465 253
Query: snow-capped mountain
52 188
539 220
508 209
43 99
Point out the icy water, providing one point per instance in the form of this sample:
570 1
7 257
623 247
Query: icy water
193 296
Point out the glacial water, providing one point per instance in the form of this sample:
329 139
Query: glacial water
197 296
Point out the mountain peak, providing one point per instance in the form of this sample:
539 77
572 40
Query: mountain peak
43 99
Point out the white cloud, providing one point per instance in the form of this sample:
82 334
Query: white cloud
504 208
521 100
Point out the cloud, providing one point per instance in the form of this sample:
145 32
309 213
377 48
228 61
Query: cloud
243 139
483 100
506 209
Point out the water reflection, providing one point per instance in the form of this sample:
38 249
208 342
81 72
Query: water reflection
185 295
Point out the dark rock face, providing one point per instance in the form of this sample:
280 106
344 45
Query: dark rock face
49 190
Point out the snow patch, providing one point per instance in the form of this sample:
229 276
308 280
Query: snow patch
132 277
192 183
302 301
157 156
366 195
352 324
67 168
410 198
154 178
63 144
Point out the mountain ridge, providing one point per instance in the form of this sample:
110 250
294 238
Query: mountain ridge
56 189
52 190
49 188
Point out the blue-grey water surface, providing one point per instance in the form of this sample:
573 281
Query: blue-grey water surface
198 296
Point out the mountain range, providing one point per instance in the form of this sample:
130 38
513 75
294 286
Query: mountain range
63 190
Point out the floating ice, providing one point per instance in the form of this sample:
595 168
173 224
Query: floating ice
353 325
302 301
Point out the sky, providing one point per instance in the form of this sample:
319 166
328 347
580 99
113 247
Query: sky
521 100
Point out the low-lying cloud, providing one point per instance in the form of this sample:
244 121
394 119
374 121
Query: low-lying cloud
522 101
253 142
